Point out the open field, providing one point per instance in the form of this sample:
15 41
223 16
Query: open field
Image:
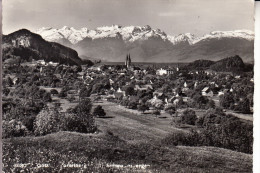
134 127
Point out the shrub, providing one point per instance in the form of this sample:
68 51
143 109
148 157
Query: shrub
231 133
156 112
54 92
142 108
71 98
226 101
80 119
132 105
28 121
99 111
63 93
189 117
47 97
14 128
47 121
170 109
75 122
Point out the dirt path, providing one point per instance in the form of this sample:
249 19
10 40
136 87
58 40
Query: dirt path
134 127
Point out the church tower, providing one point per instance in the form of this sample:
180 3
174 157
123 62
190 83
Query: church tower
128 61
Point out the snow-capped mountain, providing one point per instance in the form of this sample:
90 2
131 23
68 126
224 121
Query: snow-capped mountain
188 37
73 35
243 34
128 33
133 33
111 43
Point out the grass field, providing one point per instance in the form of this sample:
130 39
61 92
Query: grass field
125 142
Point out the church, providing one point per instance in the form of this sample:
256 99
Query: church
128 61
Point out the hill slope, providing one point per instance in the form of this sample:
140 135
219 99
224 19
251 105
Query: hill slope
27 45
229 64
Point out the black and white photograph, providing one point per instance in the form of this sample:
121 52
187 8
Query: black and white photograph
127 86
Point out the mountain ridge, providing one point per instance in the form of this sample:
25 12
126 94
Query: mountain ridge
131 33
112 43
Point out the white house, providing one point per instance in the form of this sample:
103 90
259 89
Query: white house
161 72
207 92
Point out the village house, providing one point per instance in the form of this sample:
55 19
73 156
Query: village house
164 72
207 92
143 87
185 87
159 94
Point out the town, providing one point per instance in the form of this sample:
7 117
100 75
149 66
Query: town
192 104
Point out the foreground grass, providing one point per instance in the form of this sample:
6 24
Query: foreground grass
105 152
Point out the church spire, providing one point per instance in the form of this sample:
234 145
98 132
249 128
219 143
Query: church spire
128 60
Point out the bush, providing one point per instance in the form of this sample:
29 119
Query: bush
180 138
99 111
80 119
75 122
132 105
47 97
231 134
28 121
71 98
54 92
170 109
189 117
156 112
47 121
14 128
142 108
63 94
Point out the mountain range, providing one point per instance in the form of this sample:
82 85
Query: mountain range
112 43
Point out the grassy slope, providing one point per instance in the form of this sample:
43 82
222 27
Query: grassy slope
123 139
65 147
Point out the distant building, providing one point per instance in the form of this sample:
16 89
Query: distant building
21 41
207 92
128 61
164 72
143 87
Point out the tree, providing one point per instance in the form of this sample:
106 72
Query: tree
47 97
189 117
243 106
47 121
226 101
84 92
170 109
157 112
97 88
80 119
6 91
99 111
132 105
54 92
10 82
130 91
84 107
142 107
200 101
63 93
211 104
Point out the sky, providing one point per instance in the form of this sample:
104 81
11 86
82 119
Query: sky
198 17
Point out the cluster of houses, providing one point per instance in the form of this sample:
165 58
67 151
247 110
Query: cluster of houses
131 75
